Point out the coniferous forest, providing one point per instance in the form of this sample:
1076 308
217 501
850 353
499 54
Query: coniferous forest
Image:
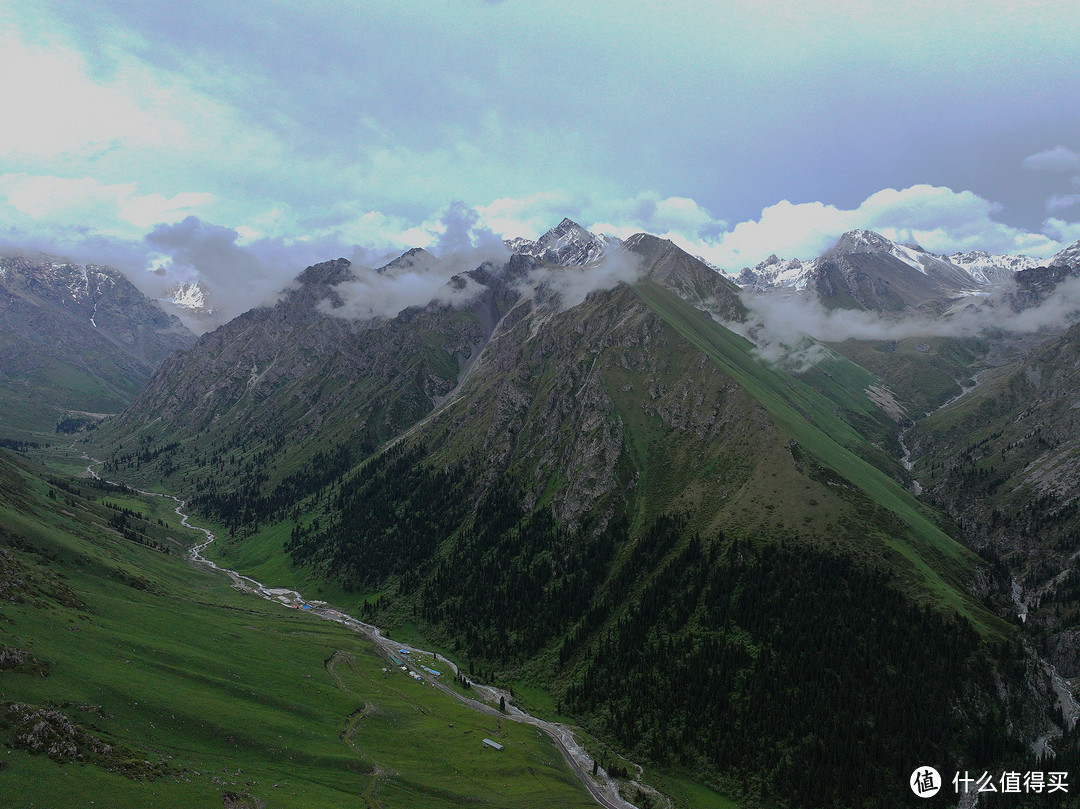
677 647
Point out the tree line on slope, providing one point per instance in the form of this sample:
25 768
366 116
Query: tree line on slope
779 672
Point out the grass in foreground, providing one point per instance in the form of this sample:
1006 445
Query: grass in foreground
205 694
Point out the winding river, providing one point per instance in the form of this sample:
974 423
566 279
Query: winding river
602 787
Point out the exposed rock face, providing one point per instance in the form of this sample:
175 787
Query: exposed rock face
989 268
1033 286
297 377
1069 257
190 300
1004 462
690 278
567 244
775 271
64 303
78 337
365 379
866 270
410 259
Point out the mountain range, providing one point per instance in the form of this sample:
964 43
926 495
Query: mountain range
878 273
579 470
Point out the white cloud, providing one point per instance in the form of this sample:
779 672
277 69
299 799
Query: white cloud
1065 232
373 294
683 214
62 113
378 231
1057 159
947 221
109 209
651 213
937 218
787 229
779 324
573 284
529 216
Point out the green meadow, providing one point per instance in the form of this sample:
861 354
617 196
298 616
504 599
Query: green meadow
206 696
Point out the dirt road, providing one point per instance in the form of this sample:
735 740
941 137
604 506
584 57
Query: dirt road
602 787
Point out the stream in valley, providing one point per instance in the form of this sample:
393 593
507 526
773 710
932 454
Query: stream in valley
601 786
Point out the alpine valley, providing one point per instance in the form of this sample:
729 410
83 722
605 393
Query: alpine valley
773 543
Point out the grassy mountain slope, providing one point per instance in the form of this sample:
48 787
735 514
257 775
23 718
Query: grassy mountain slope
683 396
707 559
622 484
811 421
156 684
922 373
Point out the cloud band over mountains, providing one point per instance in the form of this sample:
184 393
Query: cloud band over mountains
736 130
779 324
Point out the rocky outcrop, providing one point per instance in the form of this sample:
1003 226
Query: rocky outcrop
77 337
567 244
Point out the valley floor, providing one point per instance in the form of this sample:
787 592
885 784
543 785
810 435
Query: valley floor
175 689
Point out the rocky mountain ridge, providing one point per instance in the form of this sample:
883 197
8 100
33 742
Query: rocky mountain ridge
558 470
76 338
575 472
235 379
863 264
566 244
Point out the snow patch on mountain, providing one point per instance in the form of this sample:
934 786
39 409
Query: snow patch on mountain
988 268
567 244
983 268
518 244
188 295
789 273
1069 257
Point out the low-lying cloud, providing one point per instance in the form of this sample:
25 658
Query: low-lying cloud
239 274
423 278
385 294
571 285
385 289
783 326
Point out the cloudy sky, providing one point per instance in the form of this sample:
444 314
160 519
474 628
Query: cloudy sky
237 142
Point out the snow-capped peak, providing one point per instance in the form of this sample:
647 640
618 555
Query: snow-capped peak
981 267
867 241
777 272
1069 257
518 244
861 241
990 268
188 295
568 244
